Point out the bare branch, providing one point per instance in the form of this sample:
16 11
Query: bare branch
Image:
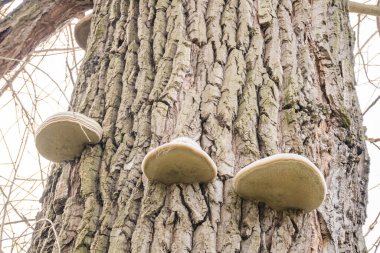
367 9
373 139
27 26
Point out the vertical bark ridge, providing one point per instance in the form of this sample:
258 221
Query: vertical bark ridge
113 91
247 140
246 79
229 24
272 78
196 28
96 198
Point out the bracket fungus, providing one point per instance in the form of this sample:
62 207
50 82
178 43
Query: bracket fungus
283 181
180 161
63 136
82 30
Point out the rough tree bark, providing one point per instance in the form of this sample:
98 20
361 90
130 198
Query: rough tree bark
246 79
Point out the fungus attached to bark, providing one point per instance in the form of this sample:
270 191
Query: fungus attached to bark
180 161
82 30
63 136
283 181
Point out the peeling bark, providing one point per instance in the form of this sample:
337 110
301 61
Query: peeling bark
246 80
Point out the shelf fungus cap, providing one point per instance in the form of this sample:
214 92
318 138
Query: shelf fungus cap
82 30
282 181
63 136
180 161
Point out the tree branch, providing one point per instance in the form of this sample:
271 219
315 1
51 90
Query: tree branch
4 2
31 23
373 10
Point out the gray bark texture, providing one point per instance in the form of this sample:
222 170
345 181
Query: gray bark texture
246 79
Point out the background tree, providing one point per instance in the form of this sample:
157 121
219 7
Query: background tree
247 80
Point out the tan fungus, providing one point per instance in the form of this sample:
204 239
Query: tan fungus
283 181
82 30
63 136
180 161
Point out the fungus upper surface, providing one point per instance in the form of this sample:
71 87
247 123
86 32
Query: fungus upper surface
283 181
82 30
179 162
63 136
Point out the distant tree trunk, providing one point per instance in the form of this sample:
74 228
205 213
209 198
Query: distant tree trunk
246 79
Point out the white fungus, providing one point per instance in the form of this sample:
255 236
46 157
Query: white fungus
283 181
63 136
180 161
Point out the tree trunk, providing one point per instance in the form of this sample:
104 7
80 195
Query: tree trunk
246 79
